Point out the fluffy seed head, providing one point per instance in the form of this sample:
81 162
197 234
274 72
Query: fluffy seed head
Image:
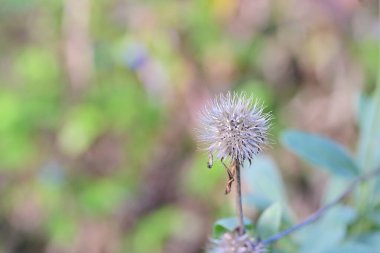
234 126
232 242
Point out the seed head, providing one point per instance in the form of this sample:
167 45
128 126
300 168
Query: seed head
232 242
234 126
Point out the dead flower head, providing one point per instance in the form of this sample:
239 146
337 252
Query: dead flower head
234 126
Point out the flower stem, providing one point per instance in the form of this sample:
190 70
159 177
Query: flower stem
238 199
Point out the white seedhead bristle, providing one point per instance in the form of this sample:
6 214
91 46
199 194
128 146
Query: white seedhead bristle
234 126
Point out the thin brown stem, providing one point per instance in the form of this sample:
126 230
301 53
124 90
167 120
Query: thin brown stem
238 199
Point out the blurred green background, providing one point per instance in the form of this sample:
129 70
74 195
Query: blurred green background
99 99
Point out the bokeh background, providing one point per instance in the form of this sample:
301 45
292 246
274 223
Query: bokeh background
99 99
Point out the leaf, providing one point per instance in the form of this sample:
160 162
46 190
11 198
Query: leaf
371 240
368 144
351 248
229 224
330 230
334 188
374 217
364 106
321 152
270 221
264 184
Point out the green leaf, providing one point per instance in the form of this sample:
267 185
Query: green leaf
327 232
264 185
368 144
229 224
270 221
374 216
371 240
321 152
351 248
368 147
334 188
363 107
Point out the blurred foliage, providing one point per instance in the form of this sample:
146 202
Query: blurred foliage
97 111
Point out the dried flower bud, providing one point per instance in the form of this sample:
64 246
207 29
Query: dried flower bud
232 242
234 126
